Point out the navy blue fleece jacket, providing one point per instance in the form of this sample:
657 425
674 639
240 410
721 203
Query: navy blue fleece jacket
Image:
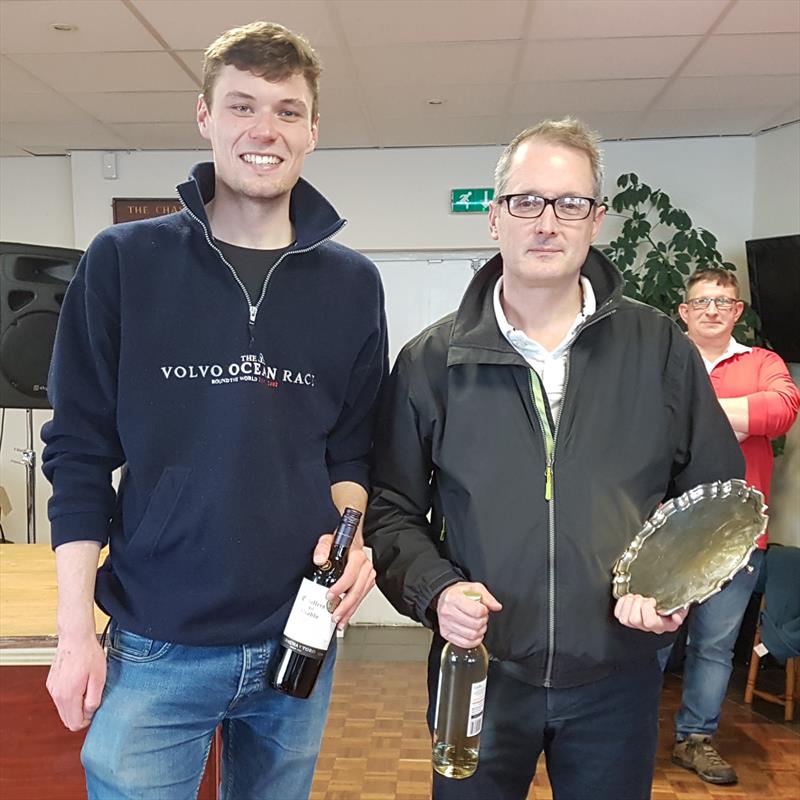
231 416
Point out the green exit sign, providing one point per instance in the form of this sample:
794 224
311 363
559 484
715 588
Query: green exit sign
470 201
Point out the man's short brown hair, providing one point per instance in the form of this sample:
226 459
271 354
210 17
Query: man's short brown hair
266 49
567 132
718 275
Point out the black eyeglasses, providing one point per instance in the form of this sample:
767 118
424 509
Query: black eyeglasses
722 303
530 206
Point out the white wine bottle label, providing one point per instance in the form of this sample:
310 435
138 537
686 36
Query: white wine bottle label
476 700
310 625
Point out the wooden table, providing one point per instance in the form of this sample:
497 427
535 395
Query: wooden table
39 757
28 598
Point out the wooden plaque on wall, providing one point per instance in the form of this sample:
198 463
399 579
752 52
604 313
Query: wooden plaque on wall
128 209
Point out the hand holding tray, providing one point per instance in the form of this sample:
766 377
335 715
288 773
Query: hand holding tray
692 545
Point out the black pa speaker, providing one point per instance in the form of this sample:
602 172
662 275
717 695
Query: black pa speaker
774 267
33 280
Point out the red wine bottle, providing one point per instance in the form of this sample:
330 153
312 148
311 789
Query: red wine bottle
310 627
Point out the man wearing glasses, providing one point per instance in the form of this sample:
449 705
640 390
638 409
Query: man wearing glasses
760 400
539 426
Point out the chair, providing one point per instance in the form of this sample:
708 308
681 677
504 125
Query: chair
778 630
792 690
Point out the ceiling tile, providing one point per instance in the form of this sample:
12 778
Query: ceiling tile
138 106
663 123
368 24
759 54
107 72
203 21
345 132
39 107
599 59
576 96
14 78
7 149
102 26
407 131
762 16
732 92
193 59
47 151
66 135
336 70
450 63
784 117
161 136
556 19
339 104
458 100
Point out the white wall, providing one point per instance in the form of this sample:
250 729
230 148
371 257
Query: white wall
36 201
777 183
396 199
399 199
776 213
140 174
35 207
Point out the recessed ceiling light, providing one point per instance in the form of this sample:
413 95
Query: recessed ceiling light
435 102
63 27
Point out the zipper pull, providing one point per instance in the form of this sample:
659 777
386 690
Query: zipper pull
251 325
548 483
444 530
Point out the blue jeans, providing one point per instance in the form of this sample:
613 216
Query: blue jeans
599 739
151 736
712 629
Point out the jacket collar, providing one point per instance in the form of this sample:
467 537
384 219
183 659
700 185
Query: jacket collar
476 338
313 217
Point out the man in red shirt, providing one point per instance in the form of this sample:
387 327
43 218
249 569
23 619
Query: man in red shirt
757 394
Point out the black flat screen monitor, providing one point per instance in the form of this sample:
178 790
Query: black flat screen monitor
774 267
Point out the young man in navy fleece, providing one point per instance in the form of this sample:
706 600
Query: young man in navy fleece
227 357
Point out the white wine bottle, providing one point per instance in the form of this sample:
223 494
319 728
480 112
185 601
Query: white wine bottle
459 708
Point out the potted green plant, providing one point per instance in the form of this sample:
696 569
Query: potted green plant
658 248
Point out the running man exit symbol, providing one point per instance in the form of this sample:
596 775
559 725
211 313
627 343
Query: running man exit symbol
471 201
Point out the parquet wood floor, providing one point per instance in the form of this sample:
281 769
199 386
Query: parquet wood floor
376 744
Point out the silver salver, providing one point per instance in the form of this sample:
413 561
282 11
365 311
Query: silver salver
692 545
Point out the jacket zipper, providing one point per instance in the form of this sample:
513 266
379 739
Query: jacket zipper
253 309
550 439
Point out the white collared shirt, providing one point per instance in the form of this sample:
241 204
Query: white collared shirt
734 348
550 365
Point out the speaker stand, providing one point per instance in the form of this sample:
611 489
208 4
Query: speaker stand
29 462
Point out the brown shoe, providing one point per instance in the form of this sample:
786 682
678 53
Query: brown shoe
697 753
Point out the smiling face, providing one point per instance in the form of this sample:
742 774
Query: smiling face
545 251
260 133
711 324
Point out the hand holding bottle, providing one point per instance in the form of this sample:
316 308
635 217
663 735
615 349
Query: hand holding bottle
459 704
462 621
356 581
311 627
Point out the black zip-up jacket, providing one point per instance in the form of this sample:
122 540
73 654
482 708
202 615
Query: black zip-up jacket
459 434
232 416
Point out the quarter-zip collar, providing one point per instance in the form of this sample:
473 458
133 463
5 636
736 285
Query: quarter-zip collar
476 337
316 221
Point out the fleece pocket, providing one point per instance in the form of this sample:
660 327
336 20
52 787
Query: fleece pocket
160 508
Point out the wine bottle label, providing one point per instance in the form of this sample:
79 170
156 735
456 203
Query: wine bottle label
310 625
476 700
